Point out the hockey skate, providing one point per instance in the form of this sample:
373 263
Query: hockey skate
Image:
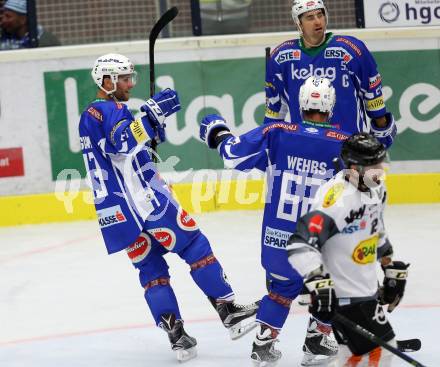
235 317
264 353
320 347
183 344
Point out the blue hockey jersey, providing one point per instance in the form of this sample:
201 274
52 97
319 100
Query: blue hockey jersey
126 186
344 60
297 159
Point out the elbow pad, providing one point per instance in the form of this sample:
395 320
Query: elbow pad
303 258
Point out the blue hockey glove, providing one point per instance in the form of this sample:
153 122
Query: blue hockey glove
210 127
385 134
161 105
157 108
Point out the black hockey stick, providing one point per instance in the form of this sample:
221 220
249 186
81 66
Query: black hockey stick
165 19
375 339
409 345
267 52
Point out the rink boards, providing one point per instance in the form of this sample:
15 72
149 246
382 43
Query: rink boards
40 155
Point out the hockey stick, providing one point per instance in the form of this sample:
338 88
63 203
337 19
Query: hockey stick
267 51
163 21
375 339
409 345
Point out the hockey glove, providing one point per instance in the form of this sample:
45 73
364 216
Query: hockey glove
322 297
210 127
157 108
385 134
394 283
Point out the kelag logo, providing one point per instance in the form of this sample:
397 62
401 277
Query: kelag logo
418 10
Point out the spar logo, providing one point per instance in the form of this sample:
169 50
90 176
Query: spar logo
140 249
276 238
304 73
165 236
185 221
110 216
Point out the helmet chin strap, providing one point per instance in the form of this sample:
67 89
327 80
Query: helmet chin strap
110 92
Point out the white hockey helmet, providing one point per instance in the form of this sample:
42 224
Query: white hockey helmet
112 65
300 7
317 94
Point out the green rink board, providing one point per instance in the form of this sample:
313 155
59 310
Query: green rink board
411 82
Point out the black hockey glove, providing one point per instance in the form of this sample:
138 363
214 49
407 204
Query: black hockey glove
394 283
322 295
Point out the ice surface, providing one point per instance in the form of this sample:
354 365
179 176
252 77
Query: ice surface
64 302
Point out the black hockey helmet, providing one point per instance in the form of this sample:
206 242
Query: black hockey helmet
362 149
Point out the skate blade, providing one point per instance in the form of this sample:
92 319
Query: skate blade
184 355
318 360
238 330
264 364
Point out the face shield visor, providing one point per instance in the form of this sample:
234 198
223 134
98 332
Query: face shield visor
128 78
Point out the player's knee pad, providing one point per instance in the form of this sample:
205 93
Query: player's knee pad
155 267
205 269
211 279
160 298
275 306
274 310
288 288
197 249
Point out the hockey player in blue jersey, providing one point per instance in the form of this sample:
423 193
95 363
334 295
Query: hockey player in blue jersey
345 60
136 211
297 159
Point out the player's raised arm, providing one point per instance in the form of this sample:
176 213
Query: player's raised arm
244 152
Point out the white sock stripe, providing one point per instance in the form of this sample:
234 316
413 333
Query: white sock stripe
230 297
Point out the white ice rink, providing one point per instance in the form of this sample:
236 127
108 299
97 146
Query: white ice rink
64 302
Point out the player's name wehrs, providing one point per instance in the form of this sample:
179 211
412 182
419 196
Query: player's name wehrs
306 165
